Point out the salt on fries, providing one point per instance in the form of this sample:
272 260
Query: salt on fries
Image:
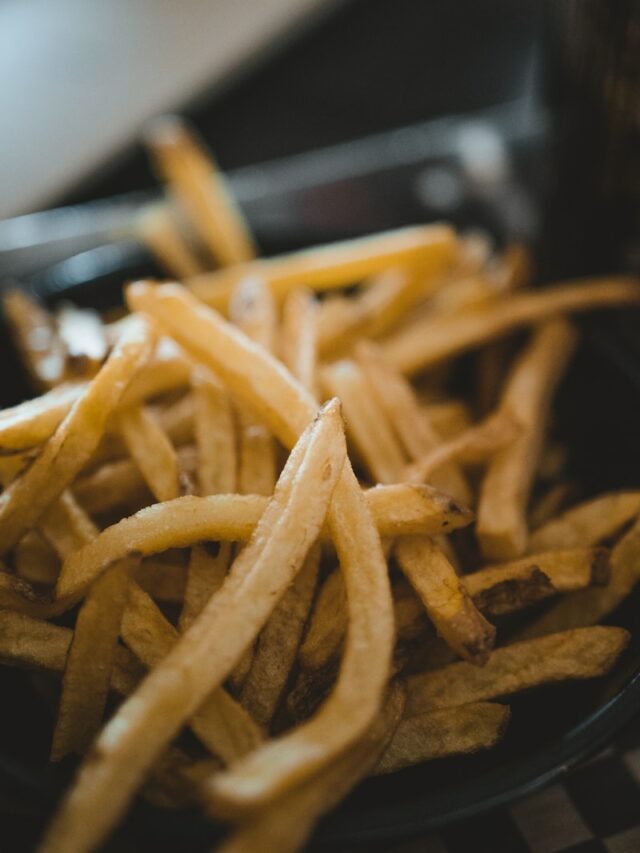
310 628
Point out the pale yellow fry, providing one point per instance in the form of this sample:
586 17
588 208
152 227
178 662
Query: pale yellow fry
501 525
67 526
396 399
82 333
475 445
423 344
87 673
264 383
151 451
431 249
277 644
195 180
589 606
157 228
367 427
207 652
576 654
22 504
511 586
221 723
32 423
449 731
587 523
214 430
445 598
298 344
407 508
284 825
36 338
34 644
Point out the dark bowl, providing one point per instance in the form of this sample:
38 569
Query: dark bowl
598 415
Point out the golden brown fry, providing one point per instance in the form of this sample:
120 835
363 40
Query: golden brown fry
475 445
12 466
215 435
286 407
425 343
82 334
445 598
221 723
298 344
198 185
511 586
151 451
408 508
146 722
87 673
576 654
501 525
67 526
450 731
35 335
588 523
430 249
589 606
22 504
157 228
278 644
29 424
285 825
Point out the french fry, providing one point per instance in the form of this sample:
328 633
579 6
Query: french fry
548 505
501 589
396 510
30 424
430 249
82 334
200 188
278 644
22 504
66 526
167 370
445 598
85 683
588 523
449 731
151 451
146 722
501 525
448 418
589 606
157 228
298 345
161 580
208 567
577 654
12 466
35 335
35 560
18 594
418 346
328 624
220 722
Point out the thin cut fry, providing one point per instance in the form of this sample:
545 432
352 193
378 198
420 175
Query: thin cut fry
423 344
298 345
35 335
581 653
450 731
32 423
161 580
66 526
215 435
159 231
431 249
22 504
328 624
587 523
208 567
87 673
151 450
145 723
200 187
502 524
445 598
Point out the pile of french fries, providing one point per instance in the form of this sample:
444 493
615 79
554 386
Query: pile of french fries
242 495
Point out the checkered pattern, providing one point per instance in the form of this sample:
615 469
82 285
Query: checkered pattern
596 809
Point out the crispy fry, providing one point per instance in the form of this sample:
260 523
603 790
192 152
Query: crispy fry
576 654
145 723
587 523
87 673
32 423
511 586
193 177
430 249
298 345
151 451
423 344
278 644
35 335
445 598
157 228
449 731
396 510
501 525
82 334
22 504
